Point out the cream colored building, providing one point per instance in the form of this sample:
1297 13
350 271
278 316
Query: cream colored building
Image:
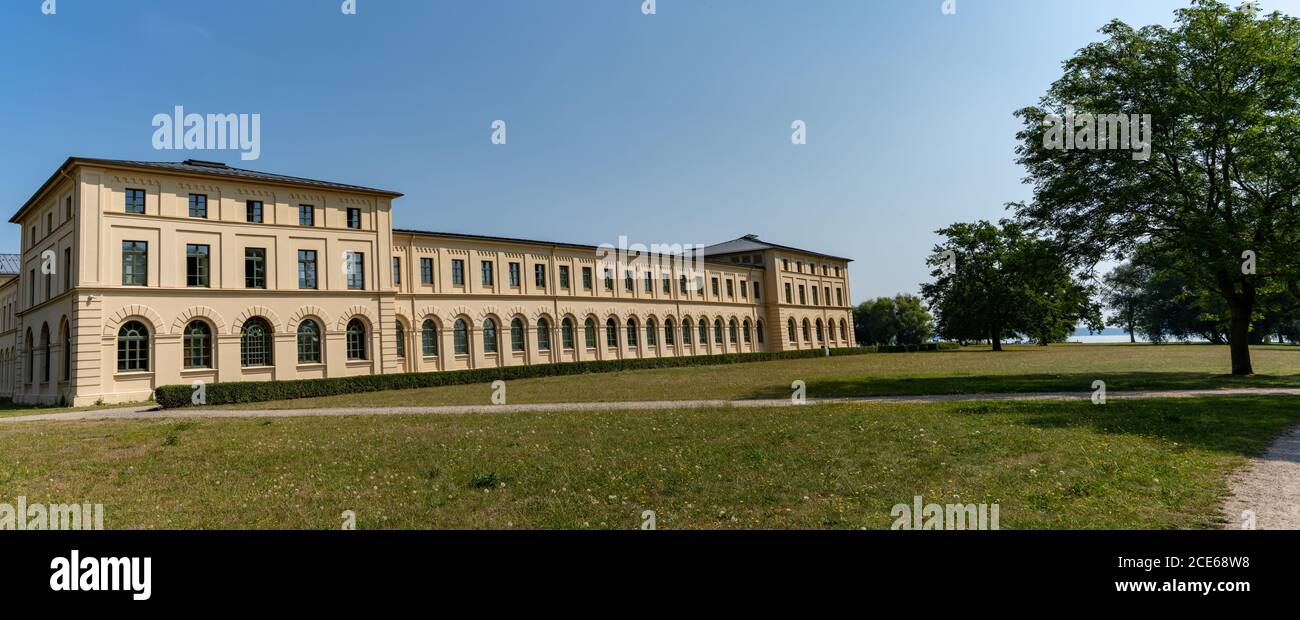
134 275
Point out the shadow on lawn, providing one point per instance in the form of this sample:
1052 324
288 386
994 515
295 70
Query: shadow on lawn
1017 384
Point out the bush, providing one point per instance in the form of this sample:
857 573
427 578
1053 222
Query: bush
173 396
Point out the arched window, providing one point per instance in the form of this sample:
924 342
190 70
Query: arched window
807 333
401 341
791 335
356 340
590 335
543 335
631 333
611 332
717 331
460 337
830 328
45 354
651 333
429 338
489 335
704 332
820 334
686 331
732 336
132 347
31 356
759 328
255 343
309 342
844 329
67 352
197 345
516 335
748 340
566 333
670 332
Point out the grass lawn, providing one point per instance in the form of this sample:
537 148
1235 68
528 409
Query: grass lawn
1128 464
9 408
1068 368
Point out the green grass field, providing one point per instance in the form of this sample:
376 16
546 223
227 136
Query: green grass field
1066 368
1128 464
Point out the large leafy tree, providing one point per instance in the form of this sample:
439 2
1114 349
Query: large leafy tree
1007 282
1222 87
902 319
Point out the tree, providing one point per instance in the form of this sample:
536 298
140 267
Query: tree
1222 88
1123 294
1007 282
902 319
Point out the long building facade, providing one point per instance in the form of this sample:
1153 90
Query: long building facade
133 275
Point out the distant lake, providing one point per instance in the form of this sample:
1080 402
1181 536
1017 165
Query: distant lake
1109 335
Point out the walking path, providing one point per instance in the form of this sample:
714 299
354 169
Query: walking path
150 412
1269 489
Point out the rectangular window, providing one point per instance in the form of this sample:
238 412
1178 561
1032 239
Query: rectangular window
586 278
666 284
839 297
487 279
67 205
515 278
253 211
49 286
67 269
397 270
307 269
716 293
681 285
803 297
827 295
699 285
306 215
539 275
731 289
744 290
757 295
135 201
135 263
354 218
196 265
564 276
814 292
254 267
356 265
49 222
426 271
609 279
458 272
31 287
785 264
627 281
199 205
648 282
789 299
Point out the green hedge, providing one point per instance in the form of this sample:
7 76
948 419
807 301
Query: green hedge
173 396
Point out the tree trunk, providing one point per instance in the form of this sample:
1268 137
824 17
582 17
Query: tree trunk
996 337
1239 339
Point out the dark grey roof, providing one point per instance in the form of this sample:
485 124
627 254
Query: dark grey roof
11 264
197 166
751 243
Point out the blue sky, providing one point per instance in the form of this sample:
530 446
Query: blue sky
670 128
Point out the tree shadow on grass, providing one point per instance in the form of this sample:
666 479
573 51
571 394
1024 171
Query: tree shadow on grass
1023 384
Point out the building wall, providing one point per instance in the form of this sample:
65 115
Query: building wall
74 312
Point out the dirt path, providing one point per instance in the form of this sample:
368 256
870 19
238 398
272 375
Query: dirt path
148 413
1268 490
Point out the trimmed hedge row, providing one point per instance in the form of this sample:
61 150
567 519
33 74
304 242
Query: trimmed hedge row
174 396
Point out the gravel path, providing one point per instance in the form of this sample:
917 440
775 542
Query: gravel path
153 413
1269 488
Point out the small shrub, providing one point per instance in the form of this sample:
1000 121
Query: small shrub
485 481
171 440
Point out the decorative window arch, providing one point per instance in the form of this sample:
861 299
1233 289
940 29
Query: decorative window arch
356 340
197 345
309 341
704 331
651 333
820 334
611 332
429 338
844 330
490 335
632 333
807 331
748 337
686 330
670 332
830 330
717 331
543 335
132 347
791 334
732 336
590 328
460 337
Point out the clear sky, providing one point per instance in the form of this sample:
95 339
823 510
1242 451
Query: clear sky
668 128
